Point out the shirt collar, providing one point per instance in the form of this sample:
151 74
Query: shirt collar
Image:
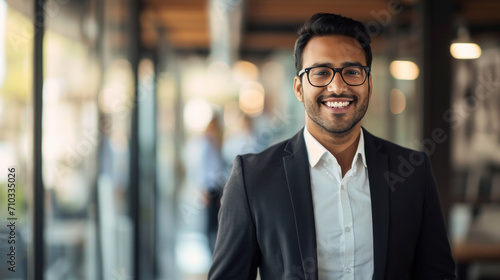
316 151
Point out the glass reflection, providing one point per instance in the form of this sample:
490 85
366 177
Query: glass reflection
69 150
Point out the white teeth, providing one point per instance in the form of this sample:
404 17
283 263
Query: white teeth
337 104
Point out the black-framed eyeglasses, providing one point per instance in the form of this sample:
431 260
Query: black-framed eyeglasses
321 76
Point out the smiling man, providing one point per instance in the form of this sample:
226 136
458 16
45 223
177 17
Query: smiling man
324 204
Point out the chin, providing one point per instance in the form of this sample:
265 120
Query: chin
346 129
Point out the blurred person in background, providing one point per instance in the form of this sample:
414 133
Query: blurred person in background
333 201
240 139
213 175
205 168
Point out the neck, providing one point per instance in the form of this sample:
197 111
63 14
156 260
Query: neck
342 146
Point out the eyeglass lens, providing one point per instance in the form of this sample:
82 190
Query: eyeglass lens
322 76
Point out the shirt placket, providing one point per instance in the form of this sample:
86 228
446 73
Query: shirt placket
345 204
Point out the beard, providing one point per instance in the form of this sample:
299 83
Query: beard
342 123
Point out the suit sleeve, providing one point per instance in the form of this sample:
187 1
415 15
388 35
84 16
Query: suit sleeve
433 259
236 254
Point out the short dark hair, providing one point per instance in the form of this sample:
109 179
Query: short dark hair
322 24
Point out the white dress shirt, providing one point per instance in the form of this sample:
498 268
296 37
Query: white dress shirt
342 212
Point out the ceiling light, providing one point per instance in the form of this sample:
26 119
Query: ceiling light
197 114
462 47
465 50
251 99
244 71
404 70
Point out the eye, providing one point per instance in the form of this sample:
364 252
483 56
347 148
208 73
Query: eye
352 71
321 72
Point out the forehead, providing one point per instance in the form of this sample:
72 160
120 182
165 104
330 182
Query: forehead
333 49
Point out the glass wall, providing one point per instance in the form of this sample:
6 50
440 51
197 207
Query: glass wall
88 99
116 104
89 106
70 143
16 126
169 140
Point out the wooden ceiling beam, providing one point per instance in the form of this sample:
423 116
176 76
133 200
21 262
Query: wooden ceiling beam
480 12
183 16
188 38
187 21
176 3
299 11
267 41
257 41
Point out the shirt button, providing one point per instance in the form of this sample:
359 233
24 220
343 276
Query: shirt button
342 187
347 229
348 270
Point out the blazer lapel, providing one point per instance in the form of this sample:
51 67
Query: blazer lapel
377 163
299 185
298 179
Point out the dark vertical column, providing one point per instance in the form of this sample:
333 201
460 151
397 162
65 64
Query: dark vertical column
147 164
134 39
38 227
437 22
154 176
100 10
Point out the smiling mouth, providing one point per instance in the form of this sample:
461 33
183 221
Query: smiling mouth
337 104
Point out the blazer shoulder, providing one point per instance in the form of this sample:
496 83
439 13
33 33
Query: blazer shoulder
271 159
270 154
374 143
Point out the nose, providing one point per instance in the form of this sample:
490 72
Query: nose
337 85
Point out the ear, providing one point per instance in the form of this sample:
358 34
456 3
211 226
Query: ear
297 87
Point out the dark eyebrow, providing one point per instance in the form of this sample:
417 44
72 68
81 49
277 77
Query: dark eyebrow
317 64
344 64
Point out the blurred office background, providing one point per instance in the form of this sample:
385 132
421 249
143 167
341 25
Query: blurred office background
103 104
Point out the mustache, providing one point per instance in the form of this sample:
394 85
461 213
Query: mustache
342 95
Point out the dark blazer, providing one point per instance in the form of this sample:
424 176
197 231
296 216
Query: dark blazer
267 219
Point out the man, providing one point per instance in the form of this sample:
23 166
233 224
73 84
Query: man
332 202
